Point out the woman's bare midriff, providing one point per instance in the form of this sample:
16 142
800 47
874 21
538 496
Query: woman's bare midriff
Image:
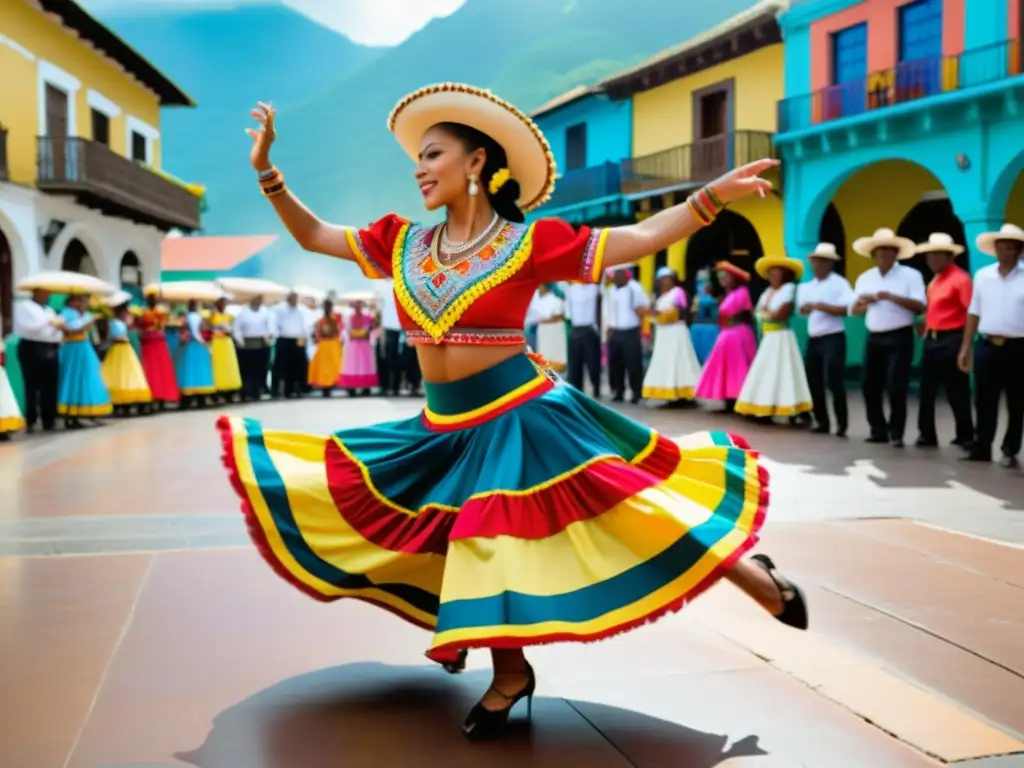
446 363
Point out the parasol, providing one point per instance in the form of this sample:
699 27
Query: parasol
65 282
367 297
185 291
117 298
247 288
313 294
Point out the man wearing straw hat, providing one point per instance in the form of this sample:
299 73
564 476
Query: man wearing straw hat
997 314
889 296
825 300
949 296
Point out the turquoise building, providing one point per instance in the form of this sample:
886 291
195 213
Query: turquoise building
590 135
899 114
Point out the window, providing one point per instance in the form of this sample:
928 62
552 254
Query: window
139 148
100 127
576 147
921 30
848 94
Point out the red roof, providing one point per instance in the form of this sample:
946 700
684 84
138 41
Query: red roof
213 254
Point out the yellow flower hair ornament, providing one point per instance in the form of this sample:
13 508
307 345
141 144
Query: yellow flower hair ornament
498 180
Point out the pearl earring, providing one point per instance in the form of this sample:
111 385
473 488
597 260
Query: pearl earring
473 188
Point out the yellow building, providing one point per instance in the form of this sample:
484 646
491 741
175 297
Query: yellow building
699 109
80 180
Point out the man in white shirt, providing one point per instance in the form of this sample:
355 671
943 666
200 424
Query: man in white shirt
38 355
254 328
582 309
996 312
890 296
825 300
627 304
291 327
392 359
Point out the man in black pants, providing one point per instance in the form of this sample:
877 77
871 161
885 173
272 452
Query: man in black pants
949 296
391 360
826 301
628 303
38 355
291 363
583 308
890 296
253 329
995 313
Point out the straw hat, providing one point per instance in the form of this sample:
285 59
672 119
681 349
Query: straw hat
765 263
732 269
530 161
939 241
986 241
665 272
824 251
884 238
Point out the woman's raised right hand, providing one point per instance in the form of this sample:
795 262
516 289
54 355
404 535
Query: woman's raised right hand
262 137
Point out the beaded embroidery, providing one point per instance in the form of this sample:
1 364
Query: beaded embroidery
434 297
490 337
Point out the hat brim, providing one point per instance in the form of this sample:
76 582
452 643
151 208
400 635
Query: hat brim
827 256
732 269
952 248
865 246
986 241
530 161
765 264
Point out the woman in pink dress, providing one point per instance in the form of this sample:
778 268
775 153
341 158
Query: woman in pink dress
359 363
734 350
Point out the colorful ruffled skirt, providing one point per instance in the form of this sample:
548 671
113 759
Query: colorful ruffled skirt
159 366
728 364
123 375
777 382
194 368
513 511
11 419
359 366
81 392
674 370
227 376
325 367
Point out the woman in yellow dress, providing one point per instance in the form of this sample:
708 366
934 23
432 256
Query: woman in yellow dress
122 372
325 367
227 378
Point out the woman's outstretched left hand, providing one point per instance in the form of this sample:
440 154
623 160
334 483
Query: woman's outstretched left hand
743 181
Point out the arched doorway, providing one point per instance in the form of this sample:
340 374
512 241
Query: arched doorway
730 237
6 286
77 259
1014 211
933 214
832 231
131 275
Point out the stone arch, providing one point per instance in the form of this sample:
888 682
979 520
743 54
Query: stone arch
731 236
13 264
999 194
80 231
76 258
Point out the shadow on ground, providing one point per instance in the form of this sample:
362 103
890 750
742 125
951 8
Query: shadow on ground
370 715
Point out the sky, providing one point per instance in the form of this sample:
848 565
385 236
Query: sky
370 22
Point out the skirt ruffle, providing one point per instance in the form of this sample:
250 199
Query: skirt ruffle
777 382
227 376
11 419
123 376
674 369
159 367
514 511
325 367
194 369
81 391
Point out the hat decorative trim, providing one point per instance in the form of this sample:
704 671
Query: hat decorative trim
537 197
766 263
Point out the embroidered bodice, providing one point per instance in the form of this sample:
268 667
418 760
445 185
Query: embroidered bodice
484 299
152 319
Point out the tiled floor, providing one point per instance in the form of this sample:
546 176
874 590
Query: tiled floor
138 628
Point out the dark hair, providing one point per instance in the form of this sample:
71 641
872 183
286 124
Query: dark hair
505 201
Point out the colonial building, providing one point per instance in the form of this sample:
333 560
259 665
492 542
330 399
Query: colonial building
589 136
81 186
698 110
903 114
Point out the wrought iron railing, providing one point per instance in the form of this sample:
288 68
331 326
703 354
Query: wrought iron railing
84 167
700 161
583 184
906 82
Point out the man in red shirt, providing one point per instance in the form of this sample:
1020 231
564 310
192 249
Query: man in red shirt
949 296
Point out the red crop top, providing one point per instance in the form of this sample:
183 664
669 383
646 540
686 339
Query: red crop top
482 300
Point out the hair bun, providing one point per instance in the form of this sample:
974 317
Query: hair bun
506 202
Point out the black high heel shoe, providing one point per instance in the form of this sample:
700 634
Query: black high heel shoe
457 666
794 607
482 723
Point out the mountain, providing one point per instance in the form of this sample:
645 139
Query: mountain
226 59
333 145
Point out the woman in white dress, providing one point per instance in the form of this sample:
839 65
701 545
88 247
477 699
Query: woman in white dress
674 368
777 383
552 341
11 419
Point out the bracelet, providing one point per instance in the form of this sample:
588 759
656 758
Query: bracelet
268 173
705 203
715 200
697 213
274 190
270 181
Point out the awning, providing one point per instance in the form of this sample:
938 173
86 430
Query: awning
577 213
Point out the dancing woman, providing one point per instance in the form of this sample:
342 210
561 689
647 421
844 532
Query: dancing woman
514 510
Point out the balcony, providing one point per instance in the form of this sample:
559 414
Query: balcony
695 163
907 82
4 170
99 178
583 185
